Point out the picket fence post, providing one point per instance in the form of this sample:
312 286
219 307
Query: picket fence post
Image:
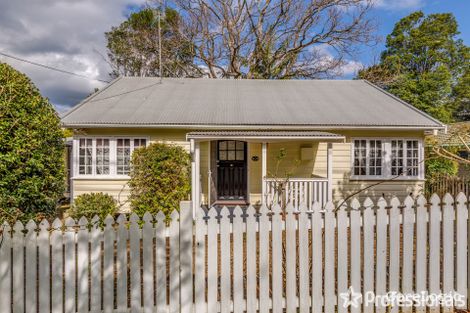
421 248
462 246
5 268
18 268
186 256
434 248
381 251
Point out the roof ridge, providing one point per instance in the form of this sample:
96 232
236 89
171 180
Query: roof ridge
403 102
242 79
87 99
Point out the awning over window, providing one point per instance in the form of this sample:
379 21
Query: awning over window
262 135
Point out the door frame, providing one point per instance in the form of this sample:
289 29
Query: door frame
214 157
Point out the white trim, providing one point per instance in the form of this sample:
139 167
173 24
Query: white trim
247 138
112 157
209 173
255 127
264 169
248 167
197 157
386 159
329 162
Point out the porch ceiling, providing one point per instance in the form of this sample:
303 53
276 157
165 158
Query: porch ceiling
262 135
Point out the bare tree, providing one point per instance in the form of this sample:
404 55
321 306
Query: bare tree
277 39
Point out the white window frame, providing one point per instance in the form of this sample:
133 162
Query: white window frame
386 159
112 156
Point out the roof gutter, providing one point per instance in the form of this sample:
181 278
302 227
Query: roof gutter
255 127
268 138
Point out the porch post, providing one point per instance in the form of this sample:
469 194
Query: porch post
195 176
264 170
329 160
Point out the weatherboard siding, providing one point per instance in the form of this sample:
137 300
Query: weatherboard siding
343 186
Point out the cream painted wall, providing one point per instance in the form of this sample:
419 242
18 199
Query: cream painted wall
343 186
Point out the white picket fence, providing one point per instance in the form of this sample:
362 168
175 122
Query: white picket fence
297 260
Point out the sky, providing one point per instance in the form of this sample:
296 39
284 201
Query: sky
69 34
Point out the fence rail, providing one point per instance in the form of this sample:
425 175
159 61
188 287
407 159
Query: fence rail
296 191
239 260
448 184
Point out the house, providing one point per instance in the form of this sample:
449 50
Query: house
339 136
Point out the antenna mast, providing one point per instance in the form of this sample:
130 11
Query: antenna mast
159 16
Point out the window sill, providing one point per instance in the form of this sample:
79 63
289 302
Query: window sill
101 177
384 178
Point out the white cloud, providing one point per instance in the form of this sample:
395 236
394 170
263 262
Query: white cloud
346 70
61 33
351 67
399 4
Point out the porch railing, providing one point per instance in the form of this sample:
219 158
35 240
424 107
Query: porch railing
296 191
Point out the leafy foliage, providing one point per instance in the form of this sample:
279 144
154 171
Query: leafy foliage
91 204
424 64
438 167
160 178
31 150
461 95
133 46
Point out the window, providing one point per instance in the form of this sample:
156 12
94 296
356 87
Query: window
85 156
360 151
106 156
102 156
387 158
375 157
397 157
123 154
230 150
367 157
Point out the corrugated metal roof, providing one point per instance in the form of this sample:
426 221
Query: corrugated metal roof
267 134
456 135
132 101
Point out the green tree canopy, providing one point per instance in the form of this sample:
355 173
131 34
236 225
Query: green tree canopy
133 46
31 150
423 64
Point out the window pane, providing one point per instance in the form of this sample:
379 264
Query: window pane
412 158
223 145
139 143
231 155
397 157
102 156
375 157
222 155
231 145
359 157
240 155
240 145
85 157
123 153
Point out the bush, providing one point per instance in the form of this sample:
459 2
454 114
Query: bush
31 150
160 178
91 204
437 167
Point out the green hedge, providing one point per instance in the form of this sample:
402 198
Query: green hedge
160 178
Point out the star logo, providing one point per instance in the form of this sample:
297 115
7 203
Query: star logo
351 298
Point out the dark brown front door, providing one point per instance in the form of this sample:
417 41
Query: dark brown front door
231 170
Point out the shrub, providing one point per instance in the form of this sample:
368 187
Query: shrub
31 150
160 178
91 204
437 167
